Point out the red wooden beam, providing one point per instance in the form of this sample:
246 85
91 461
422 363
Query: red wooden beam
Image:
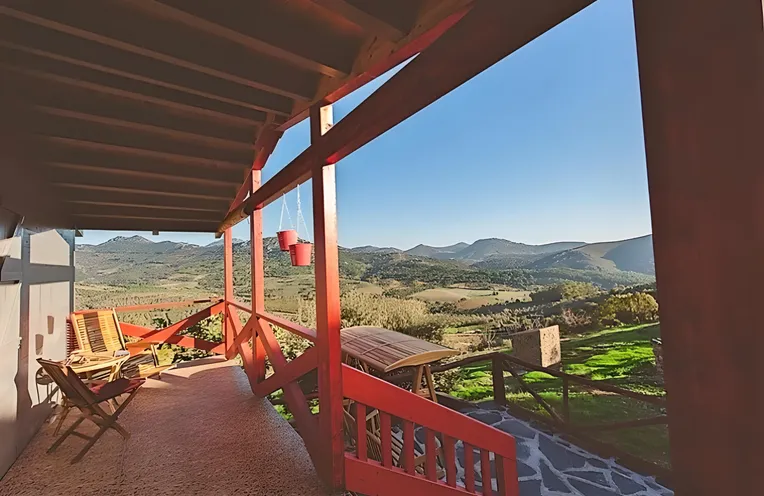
328 323
187 341
367 477
492 30
266 143
702 85
303 332
291 372
228 291
293 395
161 335
241 344
155 306
257 276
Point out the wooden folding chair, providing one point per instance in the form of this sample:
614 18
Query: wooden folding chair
98 331
89 400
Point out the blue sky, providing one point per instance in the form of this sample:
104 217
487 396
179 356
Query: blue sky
544 146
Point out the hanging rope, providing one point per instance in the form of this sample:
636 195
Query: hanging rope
285 207
300 217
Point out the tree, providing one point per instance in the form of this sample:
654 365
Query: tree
634 308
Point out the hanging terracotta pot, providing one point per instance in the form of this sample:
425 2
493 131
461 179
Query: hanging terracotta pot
301 254
286 238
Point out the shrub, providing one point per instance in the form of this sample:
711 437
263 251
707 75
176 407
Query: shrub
565 291
634 308
410 317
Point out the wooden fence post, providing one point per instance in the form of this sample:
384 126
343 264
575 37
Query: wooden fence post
327 309
497 374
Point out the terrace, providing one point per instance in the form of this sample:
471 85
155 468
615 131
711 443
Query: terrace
160 116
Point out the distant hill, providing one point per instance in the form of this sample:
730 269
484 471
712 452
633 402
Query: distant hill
635 255
483 249
440 252
373 249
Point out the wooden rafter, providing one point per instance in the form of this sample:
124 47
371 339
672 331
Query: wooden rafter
372 25
31 54
148 129
169 12
281 80
494 29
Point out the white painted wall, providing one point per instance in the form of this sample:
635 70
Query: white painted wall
36 296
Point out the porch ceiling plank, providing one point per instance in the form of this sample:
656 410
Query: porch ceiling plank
371 24
188 107
99 215
492 30
163 184
260 28
79 130
146 71
141 225
129 199
143 190
184 136
113 208
221 165
115 25
143 174
123 108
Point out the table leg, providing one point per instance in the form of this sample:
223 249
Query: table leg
430 384
417 379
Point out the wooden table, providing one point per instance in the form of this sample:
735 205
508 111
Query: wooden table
88 363
385 350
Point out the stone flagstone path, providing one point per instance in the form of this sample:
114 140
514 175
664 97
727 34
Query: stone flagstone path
550 466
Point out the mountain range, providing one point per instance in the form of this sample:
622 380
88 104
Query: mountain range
137 260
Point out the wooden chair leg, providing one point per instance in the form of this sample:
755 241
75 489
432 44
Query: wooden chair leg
66 434
122 431
91 442
65 408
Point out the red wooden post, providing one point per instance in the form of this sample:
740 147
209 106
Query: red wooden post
702 83
230 352
257 274
327 308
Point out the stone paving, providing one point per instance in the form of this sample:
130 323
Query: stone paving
550 466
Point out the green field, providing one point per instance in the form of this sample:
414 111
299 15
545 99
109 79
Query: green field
620 356
468 299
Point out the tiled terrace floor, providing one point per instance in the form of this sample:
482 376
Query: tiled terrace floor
198 431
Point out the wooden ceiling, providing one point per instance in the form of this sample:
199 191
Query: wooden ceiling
146 115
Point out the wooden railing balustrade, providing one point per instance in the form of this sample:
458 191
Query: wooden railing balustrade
561 421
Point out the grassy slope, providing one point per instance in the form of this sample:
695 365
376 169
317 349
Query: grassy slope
621 356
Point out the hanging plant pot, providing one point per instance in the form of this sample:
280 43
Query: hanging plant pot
286 239
301 254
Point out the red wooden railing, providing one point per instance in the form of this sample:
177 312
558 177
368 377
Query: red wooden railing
372 477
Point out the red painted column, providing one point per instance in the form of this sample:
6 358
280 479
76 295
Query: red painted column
327 309
701 69
257 275
230 352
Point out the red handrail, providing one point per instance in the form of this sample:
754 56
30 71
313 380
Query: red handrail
305 332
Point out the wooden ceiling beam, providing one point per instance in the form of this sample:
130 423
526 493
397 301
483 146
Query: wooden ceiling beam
32 57
194 217
166 41
140 97
139 206
141 224
56 126
164 132
111 196
185 15
69 98
142 174
379 55
491 31
369 23
187 160
69 182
